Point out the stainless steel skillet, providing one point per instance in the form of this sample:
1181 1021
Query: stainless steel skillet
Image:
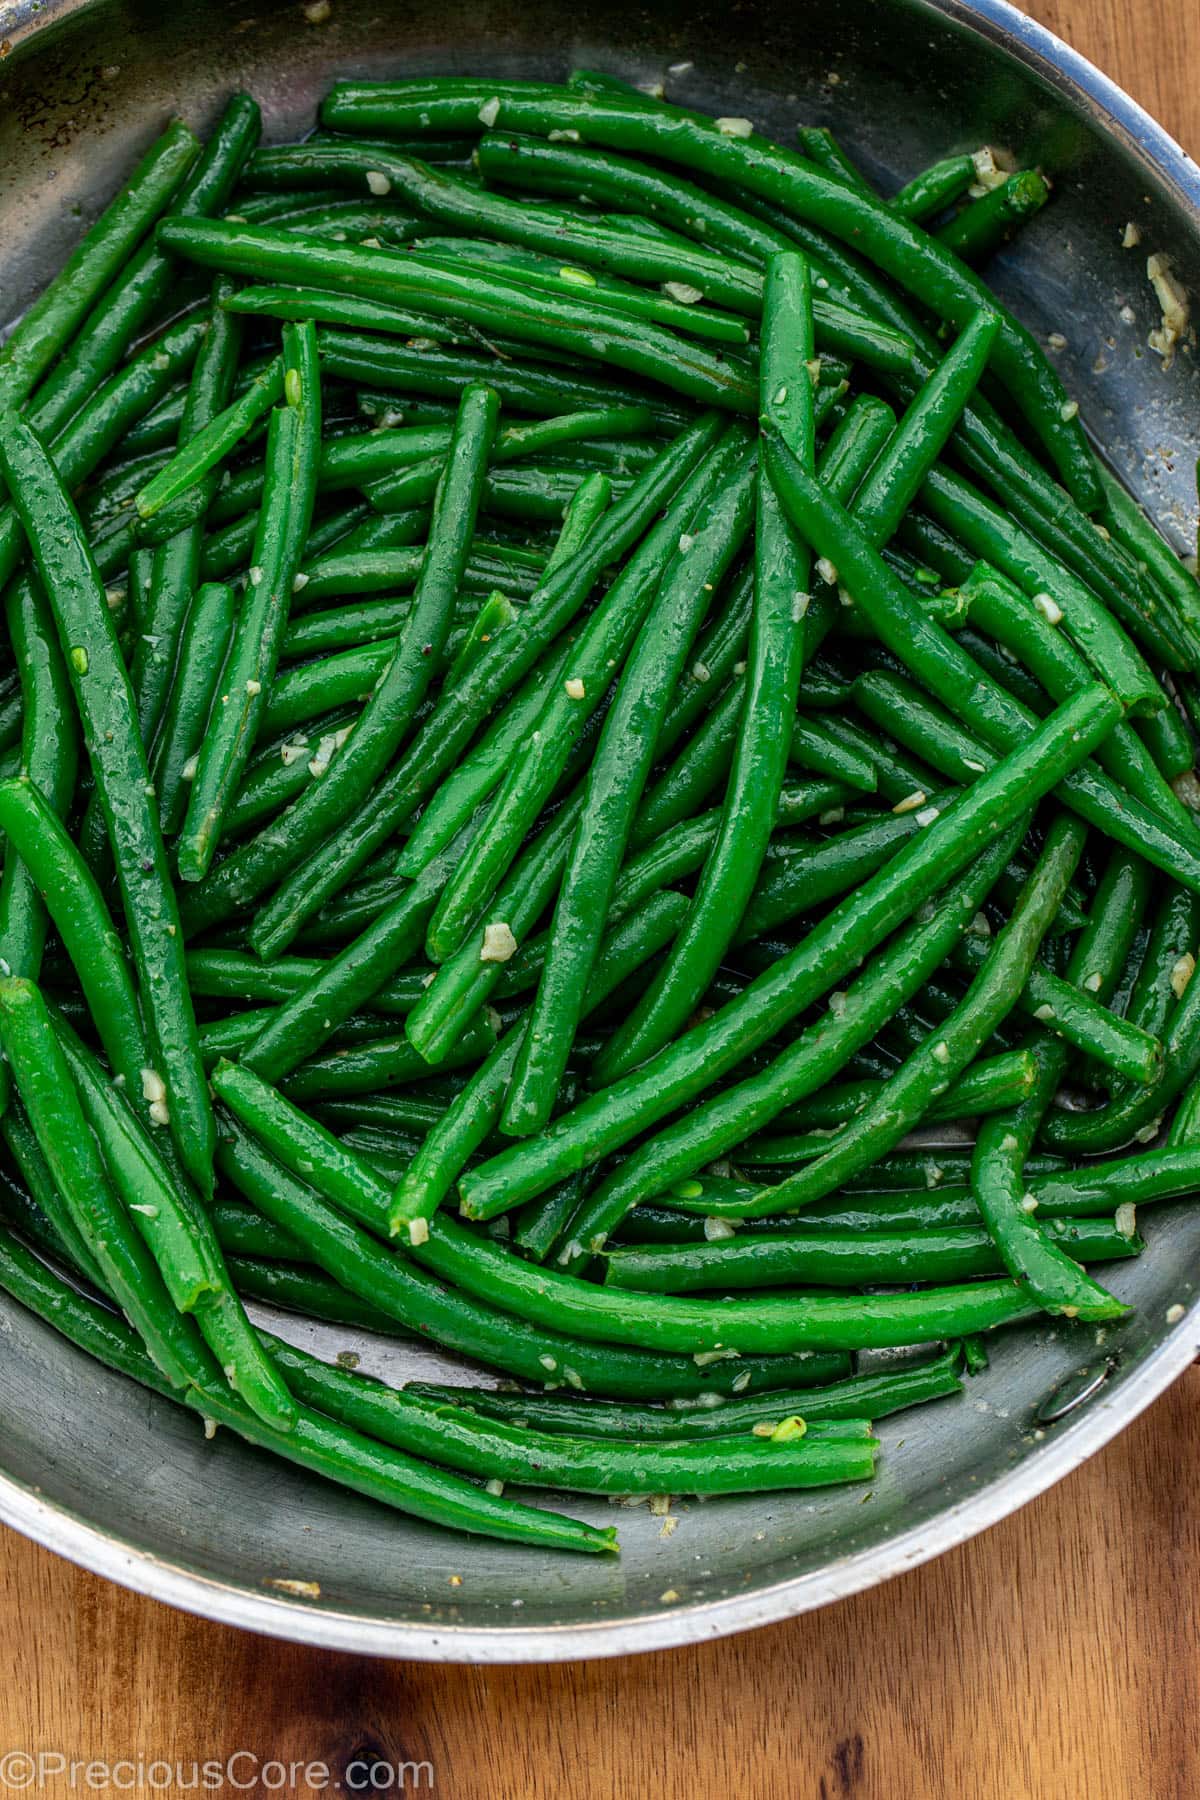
112 1478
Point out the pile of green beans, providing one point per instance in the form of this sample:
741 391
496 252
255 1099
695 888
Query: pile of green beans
578 689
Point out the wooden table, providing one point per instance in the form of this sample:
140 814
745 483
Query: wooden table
1055 1656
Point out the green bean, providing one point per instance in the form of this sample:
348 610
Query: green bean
567 236
984 224
374 571
275 778
47 325
304 1290
1135 1113
1133 530
298 303
37 836
447 731
207 448
456 1319
105 702
692 779
822 147
124 398
533 493
365 1033
179 1237
546 1300
483 767
991 1083
698 1327
540 1223
480 1446
774 665
1148 1176
1067 1012
861 1397
346 219
900 250
952 676
493 305
38 1209
726 1120
850 1259
385 1062
235 975
292 450
932 1210
308 1017
949 1049
715 501
43 1080
799 874
830 950
415 485
720 646
476 1109
403 681
1101 638
202 651
531 387
48 761
347 627
895 479
354 1461
1027 628
1164 968
615 783
572 169
175 569
1168 739
465 981
134 296
608 294
243 1232
180 537
998 1165
934 189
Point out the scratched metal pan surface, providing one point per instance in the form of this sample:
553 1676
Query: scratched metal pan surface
107 1475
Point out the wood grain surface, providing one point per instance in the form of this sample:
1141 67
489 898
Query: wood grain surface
1056 1656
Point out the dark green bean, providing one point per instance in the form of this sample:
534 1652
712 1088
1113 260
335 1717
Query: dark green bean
136 294
341 1455
774 665
49 762
105 702
479 1446
934 189
47 325
43 1080
614 785
476 1109
454 1318
998 1164
293 447
831 949
925 271
202 651
985 223
849 1259
493 305
861 1397
448 730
